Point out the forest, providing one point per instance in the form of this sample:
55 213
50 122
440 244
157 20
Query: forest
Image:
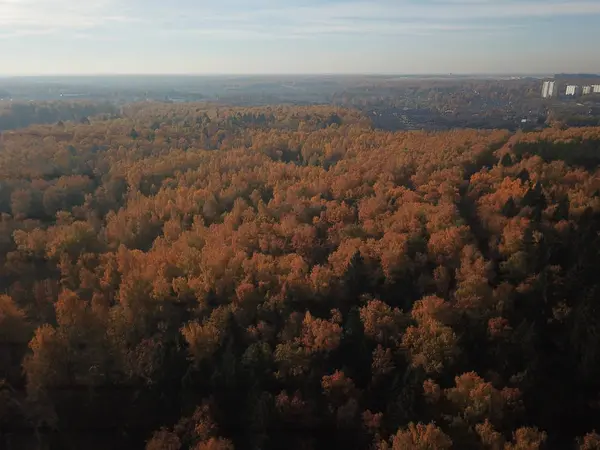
186 276
21 114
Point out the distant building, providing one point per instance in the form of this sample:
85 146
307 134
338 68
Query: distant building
587 90
548 89
572 89
596 88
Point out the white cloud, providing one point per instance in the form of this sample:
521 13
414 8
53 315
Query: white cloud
360 18
283 19
319 30
446 10
43 16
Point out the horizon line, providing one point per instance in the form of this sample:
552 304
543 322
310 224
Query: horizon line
251 74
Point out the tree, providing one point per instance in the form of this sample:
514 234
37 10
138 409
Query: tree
527 439
419 437
164 440
590 441
431 344
380 322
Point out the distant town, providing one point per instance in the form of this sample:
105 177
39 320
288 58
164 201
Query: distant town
391 102
551 89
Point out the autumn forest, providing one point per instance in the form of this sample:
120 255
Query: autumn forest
184 276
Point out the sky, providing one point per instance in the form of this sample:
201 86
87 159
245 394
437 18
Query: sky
39 37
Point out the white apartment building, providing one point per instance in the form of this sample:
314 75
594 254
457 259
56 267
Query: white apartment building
572 89
596 88
587 90
548 89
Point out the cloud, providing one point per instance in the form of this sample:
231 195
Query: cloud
264 19
323 29
44 16
444 10
384 17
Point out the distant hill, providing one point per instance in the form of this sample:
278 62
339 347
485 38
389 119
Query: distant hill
576 75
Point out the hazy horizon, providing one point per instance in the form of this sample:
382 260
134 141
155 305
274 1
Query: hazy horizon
287 74
291 37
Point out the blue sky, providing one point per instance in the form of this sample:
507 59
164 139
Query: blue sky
294 36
